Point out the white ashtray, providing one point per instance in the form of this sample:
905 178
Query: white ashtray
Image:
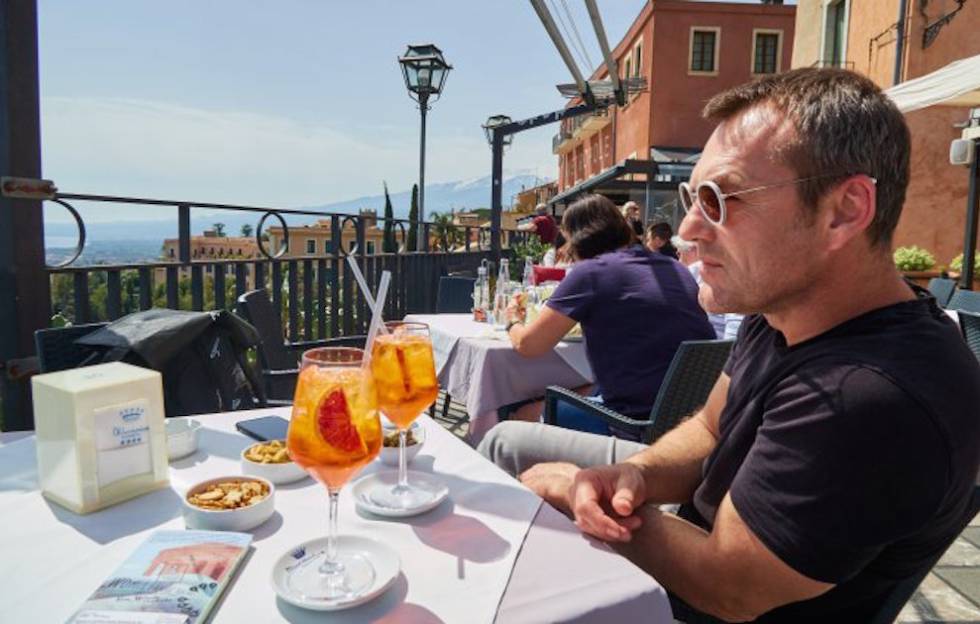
389 454
278 473
237 519
181 437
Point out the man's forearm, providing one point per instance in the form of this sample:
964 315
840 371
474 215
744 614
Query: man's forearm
672 465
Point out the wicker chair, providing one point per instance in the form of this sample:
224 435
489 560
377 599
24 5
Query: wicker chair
455 295
965 300
689 379
56 348
970 326
280 359
942 289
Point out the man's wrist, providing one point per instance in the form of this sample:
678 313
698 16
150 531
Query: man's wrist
510 324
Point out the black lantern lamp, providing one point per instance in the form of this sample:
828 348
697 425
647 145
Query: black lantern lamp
494 121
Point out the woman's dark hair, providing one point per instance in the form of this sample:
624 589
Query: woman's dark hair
595 226
559 240
661 230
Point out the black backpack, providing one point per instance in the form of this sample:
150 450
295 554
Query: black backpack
202 356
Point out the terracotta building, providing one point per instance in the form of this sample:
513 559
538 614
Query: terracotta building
687 52
862 36
209 246
527 199
314 239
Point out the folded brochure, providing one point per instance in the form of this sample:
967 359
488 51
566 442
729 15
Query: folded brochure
174 577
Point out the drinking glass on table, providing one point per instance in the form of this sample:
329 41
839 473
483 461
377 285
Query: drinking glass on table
405 378
334 431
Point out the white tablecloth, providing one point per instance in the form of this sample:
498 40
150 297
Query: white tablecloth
485 373
53 559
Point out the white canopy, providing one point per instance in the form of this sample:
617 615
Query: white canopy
957 84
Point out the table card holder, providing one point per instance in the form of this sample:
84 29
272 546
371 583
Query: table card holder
100 435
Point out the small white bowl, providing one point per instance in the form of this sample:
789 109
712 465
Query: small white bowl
181 437
241 519
279 474
389 454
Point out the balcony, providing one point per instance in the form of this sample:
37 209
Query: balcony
561 142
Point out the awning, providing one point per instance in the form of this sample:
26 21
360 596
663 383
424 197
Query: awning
608 182
956 84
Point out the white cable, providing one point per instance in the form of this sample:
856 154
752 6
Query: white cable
571 20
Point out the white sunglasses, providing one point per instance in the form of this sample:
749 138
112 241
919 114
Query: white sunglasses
709 198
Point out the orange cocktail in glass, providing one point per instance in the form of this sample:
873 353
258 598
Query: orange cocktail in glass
334 431
404 375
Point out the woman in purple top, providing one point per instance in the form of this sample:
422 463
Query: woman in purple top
635 308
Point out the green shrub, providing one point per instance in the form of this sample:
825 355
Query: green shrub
913 259
956 264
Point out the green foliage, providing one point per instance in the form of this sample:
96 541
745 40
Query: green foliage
388 244
446 232
219 229
956 264
913 258
413 217
247 230
531 248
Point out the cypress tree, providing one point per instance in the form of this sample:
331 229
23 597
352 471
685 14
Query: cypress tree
388 242
413 217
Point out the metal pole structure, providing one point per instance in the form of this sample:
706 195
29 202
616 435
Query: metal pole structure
611 68
972 210
549 25
25 302
899 43
422 244
496 190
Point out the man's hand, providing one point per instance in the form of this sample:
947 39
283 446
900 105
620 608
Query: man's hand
604 498
551 481
516 310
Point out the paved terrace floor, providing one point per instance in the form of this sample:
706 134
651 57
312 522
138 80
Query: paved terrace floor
950 594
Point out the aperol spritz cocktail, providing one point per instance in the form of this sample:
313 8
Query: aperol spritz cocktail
334 431
405 378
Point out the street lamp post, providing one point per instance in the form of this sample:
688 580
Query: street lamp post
425 71
498 140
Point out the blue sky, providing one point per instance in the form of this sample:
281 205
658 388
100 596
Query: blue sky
288 103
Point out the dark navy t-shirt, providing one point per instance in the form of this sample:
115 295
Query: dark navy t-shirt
635 308
852 455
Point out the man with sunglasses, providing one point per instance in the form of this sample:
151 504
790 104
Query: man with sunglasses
837 453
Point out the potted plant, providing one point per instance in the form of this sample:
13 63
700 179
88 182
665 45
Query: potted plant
916 264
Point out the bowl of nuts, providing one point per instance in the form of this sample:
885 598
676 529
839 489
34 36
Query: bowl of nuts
389 445
232 503
271 461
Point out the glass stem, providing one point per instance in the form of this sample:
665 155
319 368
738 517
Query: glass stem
330 562
402 460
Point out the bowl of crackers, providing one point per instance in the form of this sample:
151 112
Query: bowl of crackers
270 460
233 503
389 443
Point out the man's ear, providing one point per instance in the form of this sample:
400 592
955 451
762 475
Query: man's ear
852 209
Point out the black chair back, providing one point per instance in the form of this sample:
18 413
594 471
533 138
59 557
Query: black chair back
256 308
692 374
970 326
56 348
455 295
942 289
968 300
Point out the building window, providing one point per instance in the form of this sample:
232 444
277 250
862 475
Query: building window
370 246
704 50
638 59
834 43
580 163
326 246
310 246
351 245
766 50
172 252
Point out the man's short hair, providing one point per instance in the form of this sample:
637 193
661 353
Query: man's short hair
844 126
541 209
661 230
595 226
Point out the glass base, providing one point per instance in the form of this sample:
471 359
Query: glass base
349 576
411 496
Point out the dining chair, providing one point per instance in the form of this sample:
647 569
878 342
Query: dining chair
56 348
279 359
689 379
942 289
455 296
970 326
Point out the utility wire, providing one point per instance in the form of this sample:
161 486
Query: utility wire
578 37
567 33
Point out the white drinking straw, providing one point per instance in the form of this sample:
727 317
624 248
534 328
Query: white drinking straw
362 283
377 322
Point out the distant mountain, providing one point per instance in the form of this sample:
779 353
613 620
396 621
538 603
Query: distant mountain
442 197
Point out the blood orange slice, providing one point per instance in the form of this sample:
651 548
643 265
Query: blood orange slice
334 423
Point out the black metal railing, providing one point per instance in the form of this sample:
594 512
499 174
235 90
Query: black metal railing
316 293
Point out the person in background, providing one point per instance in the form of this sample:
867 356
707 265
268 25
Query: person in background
543 224
658 239
631 212
725 324
635 307
558 254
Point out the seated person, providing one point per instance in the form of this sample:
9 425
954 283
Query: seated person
631 212
835 457
635 308
543 224
557 255
658 239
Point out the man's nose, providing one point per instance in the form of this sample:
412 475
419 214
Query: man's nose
694 227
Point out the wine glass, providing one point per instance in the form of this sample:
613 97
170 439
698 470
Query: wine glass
405 378
334 431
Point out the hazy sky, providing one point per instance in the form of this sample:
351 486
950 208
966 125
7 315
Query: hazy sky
291 102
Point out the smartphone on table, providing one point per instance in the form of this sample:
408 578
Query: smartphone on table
265 428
